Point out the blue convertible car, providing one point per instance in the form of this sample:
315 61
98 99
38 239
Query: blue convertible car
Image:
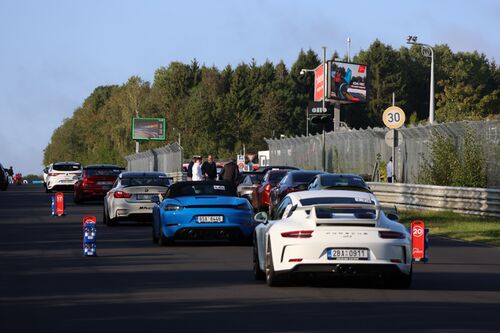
202 210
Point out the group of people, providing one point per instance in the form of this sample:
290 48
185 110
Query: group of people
207 170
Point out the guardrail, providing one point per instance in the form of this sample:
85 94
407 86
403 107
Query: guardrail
465 200
177 176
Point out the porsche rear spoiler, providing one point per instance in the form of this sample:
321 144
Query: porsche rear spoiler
343 219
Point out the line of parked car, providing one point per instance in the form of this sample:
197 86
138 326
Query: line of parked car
307 223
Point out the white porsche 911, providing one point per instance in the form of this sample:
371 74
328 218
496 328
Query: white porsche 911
335 232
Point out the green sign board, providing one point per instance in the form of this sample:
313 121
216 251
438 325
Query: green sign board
148 129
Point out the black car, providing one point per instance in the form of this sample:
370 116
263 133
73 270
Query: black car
4 178
339 181
294 181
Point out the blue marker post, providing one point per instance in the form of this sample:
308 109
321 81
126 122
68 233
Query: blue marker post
89 236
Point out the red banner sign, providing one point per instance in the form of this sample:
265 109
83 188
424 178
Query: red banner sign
59 203
418 240
319 83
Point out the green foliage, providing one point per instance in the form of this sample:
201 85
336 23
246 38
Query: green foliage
452 164
218 111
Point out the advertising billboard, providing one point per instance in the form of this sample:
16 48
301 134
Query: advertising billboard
148 129
319 83
348 82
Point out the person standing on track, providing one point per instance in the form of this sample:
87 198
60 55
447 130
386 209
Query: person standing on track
389 171
209 168
197 175
10 172
230 173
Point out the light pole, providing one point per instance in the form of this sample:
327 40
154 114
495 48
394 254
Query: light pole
323 100
427 51
348 49
303 71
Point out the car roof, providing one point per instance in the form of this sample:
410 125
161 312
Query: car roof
282 167
102 166
297 196
340 175
135 174
296 172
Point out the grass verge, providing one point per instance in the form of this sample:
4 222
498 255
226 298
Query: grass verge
453 225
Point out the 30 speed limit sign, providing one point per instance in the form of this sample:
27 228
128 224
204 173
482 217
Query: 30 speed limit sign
393 117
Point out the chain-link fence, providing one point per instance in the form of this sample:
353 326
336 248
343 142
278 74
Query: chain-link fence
357 151
167 159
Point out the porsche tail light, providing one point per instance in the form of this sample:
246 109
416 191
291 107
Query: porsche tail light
387 234
295 260
121 194
297 234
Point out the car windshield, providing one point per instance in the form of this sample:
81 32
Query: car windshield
145 181
256 178
200 188
66 167
343 181
102 172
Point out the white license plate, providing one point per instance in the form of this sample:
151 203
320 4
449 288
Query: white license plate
104 183
210 219
143 196
348 254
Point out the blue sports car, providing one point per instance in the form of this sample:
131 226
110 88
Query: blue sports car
202 210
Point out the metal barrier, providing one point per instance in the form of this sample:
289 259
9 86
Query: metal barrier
465 200
167 159
355 151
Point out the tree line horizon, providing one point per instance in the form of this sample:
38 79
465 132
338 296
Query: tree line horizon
217 111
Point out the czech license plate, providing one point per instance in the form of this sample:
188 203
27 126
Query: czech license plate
104 183
210 219
143 196
348 254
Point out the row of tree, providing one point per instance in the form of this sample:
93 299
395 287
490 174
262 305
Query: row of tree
217 111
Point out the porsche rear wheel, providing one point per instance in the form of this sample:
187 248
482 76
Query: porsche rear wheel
272 279
258 273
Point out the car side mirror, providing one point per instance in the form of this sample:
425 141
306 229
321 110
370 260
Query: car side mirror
155 199
261 217
393 217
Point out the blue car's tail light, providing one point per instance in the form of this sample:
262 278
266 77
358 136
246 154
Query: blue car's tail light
173 207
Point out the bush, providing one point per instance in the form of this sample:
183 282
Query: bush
450 165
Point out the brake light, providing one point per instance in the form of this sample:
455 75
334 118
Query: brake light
121 194
87 181
391 234
295 260
297 234
267 187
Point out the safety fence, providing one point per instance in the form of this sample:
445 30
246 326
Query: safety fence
359 151
465 200
167 159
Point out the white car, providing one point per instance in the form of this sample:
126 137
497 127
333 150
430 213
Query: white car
130 197
62 175
331 232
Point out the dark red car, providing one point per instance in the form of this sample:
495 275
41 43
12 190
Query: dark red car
95 182
260 195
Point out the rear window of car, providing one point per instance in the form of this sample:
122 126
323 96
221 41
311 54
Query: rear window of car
343 213
145 181
342 181
302 177
201 189
276 176
102 172
66 167
334 200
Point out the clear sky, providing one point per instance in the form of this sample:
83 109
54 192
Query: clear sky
54 53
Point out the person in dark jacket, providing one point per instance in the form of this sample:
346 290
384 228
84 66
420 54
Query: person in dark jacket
190 169
209 168
230 173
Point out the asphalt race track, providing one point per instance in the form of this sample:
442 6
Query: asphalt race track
136 286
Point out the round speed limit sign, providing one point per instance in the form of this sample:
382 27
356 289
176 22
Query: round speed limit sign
393 117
